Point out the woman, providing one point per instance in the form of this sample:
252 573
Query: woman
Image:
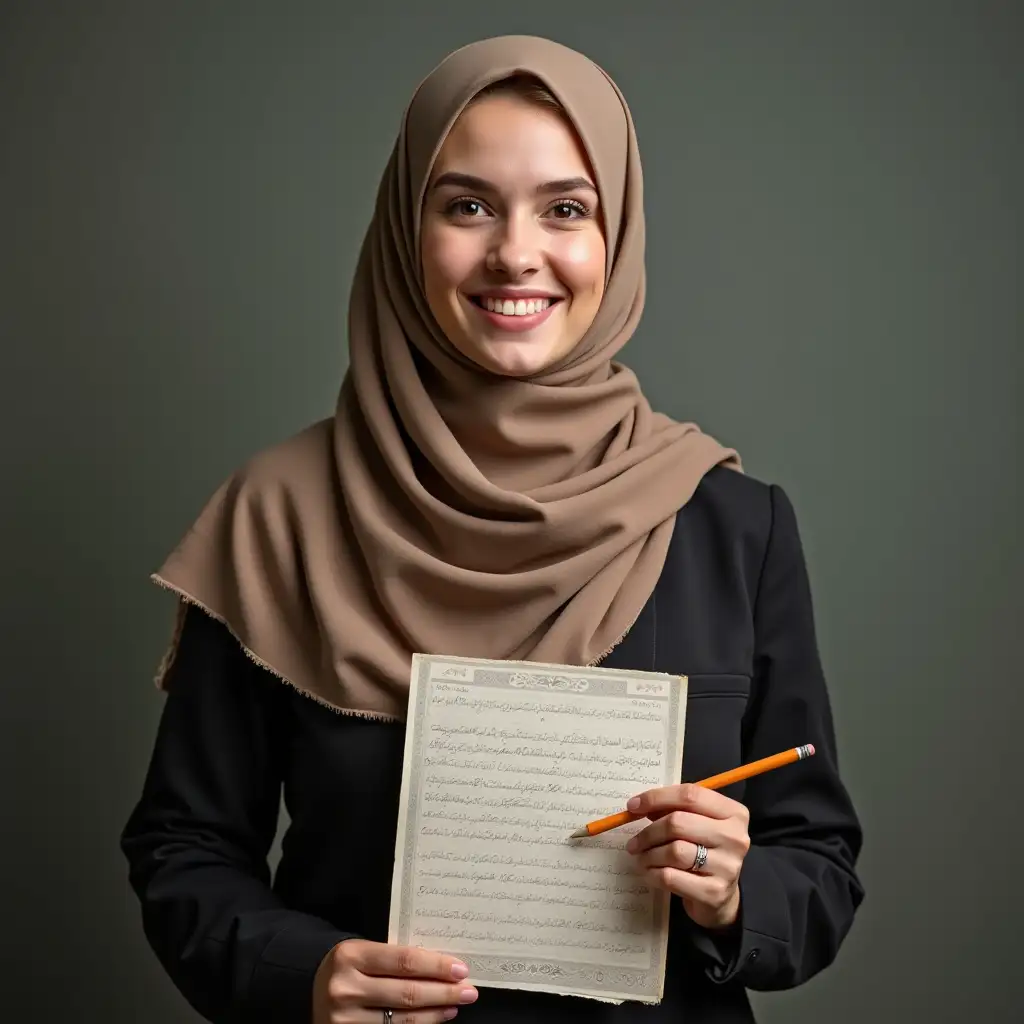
491 485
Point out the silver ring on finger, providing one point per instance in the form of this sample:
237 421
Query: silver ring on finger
700 858
388 1014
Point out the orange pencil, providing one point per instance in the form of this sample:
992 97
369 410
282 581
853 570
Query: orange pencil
766 764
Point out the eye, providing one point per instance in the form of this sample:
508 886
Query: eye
465 206
569 209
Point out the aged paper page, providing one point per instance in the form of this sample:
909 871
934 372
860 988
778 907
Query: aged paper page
503 760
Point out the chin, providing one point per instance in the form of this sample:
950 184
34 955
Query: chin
512 358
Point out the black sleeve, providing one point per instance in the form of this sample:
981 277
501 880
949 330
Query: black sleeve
798 887
198 839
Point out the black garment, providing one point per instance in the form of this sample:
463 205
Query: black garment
732 611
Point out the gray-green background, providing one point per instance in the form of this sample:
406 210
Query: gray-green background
834 204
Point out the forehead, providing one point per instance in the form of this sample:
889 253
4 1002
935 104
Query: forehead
507 139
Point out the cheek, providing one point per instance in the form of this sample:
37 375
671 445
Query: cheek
580 264
448 258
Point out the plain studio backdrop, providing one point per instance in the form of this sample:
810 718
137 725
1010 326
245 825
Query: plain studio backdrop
834 210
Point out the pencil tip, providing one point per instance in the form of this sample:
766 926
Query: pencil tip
580 833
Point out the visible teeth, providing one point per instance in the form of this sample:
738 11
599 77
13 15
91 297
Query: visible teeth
522 307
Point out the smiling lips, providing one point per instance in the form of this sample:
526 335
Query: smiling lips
520 314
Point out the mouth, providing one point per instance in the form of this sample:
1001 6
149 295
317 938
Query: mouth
514 314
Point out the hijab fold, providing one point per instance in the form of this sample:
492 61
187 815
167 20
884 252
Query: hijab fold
442 509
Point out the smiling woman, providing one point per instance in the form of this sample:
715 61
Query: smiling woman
492 484
513 245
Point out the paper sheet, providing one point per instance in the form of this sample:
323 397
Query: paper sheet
503 760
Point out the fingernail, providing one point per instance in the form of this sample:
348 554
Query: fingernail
633 804
460 971
449 1013
632 845
468 995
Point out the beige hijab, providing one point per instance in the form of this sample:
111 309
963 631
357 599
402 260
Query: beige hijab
444 510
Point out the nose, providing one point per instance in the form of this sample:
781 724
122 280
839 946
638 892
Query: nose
515 249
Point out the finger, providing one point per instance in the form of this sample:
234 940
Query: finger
653 803
708 890
370 1015
681 856
416 994
696 828
382 960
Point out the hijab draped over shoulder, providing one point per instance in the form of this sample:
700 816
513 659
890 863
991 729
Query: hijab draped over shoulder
443 509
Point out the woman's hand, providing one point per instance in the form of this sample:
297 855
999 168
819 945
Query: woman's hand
681 818
358 980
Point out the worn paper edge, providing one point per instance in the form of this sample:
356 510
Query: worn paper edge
403 805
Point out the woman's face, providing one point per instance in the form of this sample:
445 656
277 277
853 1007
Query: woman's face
513 246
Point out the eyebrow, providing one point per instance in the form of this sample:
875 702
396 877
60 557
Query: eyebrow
480 185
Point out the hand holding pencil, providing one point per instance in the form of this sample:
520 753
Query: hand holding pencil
746 771
697 839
